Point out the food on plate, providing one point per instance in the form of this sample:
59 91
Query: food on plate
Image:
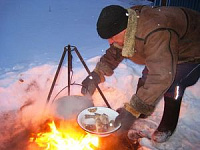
90 127
92 110
102 123
95 116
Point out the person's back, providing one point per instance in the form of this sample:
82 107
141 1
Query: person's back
182 21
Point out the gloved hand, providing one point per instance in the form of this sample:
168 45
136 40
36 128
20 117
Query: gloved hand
125 118
89 83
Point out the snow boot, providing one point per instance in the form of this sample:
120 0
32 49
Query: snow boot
169 120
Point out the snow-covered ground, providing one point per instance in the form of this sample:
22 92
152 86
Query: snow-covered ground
33 35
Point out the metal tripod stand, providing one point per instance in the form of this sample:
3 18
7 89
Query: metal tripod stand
68 49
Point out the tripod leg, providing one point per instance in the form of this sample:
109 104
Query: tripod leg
56 75
88 71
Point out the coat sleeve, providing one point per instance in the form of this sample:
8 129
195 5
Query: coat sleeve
161 60
108 62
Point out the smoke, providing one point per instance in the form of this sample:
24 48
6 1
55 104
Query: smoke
68 107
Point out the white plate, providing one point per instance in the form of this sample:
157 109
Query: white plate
112 114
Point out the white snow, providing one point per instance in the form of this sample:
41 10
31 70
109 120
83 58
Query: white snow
33 35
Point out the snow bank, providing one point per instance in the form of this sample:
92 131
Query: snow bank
30 88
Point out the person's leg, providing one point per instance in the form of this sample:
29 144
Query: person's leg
187 75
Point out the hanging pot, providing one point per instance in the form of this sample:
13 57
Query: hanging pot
68 107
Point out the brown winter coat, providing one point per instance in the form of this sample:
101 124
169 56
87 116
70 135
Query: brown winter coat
165 37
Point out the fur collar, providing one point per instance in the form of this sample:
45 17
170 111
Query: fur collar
129 39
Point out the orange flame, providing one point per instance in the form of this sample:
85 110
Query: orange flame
68 138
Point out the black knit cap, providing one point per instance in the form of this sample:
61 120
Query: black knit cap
112 20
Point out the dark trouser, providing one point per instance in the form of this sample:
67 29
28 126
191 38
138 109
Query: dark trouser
187 74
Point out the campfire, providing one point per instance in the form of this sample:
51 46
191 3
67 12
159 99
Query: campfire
67 135
63 135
